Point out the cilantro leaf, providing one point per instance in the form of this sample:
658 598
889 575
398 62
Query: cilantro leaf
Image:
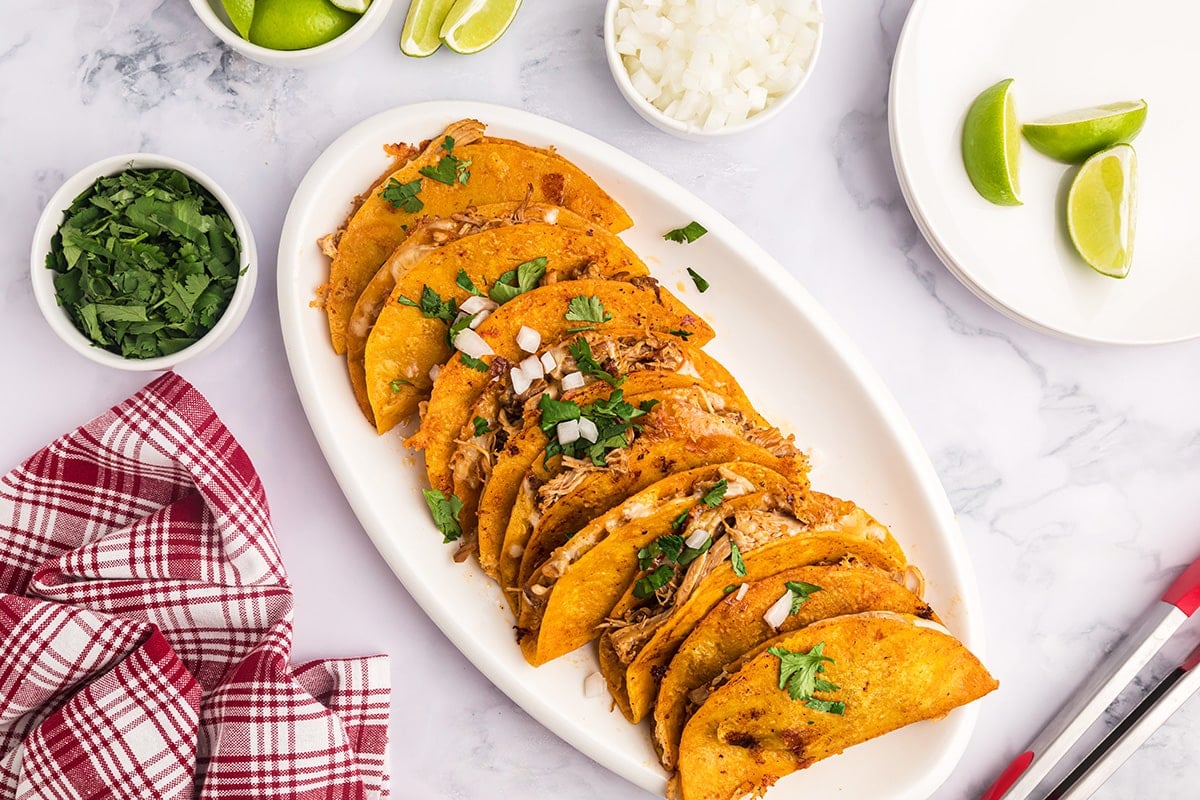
800 592
645 587
581 351
474 363
461 323
681 333
397 384
736 561
586 309
556 411
519 280
403 195
687 234
481 426
698 279
690 554
681 520
665 548
448 144
445 513
146 262
449 170
464 280
714 496
798 675
432 305
733 587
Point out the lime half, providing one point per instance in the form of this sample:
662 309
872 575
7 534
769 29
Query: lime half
353 6
1075 135
1101 206
991 146
422 33
473 25
298 24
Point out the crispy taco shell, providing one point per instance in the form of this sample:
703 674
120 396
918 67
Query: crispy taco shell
735 626
501 170
773 534
892 670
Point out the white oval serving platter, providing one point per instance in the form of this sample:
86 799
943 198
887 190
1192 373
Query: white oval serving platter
789 356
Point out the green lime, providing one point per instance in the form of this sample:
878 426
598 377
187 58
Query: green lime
353 6
1075 135
298 24
991 147
241 14
1101 205
423 26
473 25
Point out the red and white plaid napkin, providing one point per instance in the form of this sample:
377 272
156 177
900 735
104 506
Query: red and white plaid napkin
145 626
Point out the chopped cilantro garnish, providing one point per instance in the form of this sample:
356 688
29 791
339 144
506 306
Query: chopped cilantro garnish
690 554
681 520
713 497
445 513
687 234
433 306
465 283
581 351
798 675
733 587
736 561
403 195
697 279
800 592
146 262
461 323
450 169
581 329
681 333
667 547
519 280
481 426
474 363
586 309
396 384
645 587
613 418
448 144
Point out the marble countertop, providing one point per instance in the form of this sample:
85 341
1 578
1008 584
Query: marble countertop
1071 467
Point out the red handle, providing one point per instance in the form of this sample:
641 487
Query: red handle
1184 593
1009 776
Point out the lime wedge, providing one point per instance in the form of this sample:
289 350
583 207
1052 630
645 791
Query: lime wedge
353 6
423 27
1101 205
298 24
241 14
991 147
1075 135
473 25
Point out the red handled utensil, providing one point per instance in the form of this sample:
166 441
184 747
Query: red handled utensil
1022 776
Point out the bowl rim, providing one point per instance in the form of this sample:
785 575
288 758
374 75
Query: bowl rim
652 114
51 220
357 34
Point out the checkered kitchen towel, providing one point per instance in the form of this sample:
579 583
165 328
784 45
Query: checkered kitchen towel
145 626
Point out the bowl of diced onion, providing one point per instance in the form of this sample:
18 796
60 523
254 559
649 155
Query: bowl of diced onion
704 68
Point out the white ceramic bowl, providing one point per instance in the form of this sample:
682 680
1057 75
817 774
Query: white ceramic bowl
212 14
686 130
43 278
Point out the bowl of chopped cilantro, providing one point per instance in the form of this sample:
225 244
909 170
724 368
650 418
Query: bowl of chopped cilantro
141 262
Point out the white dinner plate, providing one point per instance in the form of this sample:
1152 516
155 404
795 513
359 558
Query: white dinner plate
792 361
1062 55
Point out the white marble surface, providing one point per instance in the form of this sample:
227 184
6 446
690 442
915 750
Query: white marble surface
1072 468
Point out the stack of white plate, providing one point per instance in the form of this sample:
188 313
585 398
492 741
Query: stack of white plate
1063 54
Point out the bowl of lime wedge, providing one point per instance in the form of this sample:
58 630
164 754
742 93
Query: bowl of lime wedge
292 33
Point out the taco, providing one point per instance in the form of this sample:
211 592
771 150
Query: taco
739 541
812 693
413 331
635 307
458 169
425 236
564 603
738 624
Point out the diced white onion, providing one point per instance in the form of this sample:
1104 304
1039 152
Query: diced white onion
715 63
515 550
741 592
572 380
588 430
434 371
474 304
778 612
567 431
471 343
548 362
528 339
532 368
477 319
697 539
520 381
594 685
